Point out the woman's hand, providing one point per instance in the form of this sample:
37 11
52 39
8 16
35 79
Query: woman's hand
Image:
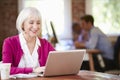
39 69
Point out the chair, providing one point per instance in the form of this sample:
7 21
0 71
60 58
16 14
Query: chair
117 53
116 71
91 61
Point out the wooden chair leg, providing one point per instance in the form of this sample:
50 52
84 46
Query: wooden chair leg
91 63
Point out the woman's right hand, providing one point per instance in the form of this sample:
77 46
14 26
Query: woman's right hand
39 69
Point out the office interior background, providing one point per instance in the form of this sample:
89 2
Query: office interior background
62 13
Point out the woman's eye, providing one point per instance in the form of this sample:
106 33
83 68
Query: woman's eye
38 22
31 22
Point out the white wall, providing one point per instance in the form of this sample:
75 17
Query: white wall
68 19
88 6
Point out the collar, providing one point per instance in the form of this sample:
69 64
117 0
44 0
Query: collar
23 41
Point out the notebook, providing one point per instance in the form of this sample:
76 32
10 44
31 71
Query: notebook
63 62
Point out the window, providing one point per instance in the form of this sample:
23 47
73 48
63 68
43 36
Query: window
106 14
57 11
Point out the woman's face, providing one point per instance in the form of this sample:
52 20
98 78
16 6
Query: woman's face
31 26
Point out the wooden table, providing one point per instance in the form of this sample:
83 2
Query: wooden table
90 53
82 75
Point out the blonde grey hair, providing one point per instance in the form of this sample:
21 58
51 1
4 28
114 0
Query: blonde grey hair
24 14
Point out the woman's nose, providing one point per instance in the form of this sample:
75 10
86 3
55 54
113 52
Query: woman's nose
36 26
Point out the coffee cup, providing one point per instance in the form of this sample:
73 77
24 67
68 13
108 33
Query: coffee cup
5 70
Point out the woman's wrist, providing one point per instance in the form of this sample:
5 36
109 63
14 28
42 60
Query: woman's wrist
33 70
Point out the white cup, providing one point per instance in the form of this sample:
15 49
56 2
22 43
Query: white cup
5 70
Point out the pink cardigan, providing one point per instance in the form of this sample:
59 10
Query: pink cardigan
12 53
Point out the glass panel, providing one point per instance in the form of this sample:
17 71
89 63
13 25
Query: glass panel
107 15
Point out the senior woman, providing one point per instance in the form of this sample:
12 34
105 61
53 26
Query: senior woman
26 51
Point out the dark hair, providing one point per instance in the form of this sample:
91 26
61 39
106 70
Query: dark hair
76 28
88 18
74 25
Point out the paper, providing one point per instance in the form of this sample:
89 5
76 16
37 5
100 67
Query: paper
23 75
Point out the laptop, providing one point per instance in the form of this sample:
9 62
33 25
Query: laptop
63 62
